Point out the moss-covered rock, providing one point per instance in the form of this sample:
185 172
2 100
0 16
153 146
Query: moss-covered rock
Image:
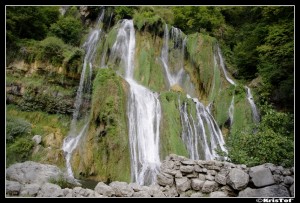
104 153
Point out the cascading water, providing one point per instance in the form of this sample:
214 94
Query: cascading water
72 140
255 113
231 107
194 134
144 112
176 74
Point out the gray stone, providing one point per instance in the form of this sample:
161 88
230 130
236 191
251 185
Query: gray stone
66 191
165 179
170 191
278 178
262 177
154 191
182 184
78 192
292 170
186 169
292 190
229 191
192 175
288 180
178 174
209 186
197 194
213 167
12 188
188 162
89 193
32 172
270 166
136 187
167 164
209 177
211 172
122 189
221 178
218 194
103 189
37 139
197 184
50 190
141 194
30 190
237 179
96 194
287 172
204 170
269 191
197 168
169 171
201 177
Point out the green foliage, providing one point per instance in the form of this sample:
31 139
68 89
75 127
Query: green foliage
62 182
16 127
270 142
123 12
19 150
170 137
51 49
67 28
146 19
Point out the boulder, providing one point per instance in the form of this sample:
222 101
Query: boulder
261 176
209 186
182 184
103 189
12 188
50 190
221 178
164 179
288 180
197 184
30 190
32 172
237 179
37 139
269 191
122 189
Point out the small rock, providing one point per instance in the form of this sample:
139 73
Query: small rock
186 169
197 184
288 180
37 139
103 189
182 184
12 188
218 194
238 179
30 190
209 186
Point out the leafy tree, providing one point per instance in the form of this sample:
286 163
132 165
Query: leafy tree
67 28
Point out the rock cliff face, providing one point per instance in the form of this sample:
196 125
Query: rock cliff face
178 177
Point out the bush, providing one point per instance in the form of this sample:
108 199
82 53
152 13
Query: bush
18 151
67 28
51 49
16 127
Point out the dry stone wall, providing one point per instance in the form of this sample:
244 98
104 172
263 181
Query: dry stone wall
178 177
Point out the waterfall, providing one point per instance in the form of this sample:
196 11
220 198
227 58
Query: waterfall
176 74
255 113
144 112
223 67
72 140
231 110
195 134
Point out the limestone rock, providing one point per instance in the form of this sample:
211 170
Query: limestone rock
186 169
30 190
261 176
141 194
50 190
197 184
182 184
32 172
12 187
221 178
269 191
209 186
103 189
37 139
218 194
237 179
165 179
288 180
122 189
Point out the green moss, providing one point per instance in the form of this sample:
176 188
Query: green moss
170 137
148 68
105 154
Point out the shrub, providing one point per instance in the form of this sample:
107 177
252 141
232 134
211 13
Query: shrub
16 127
